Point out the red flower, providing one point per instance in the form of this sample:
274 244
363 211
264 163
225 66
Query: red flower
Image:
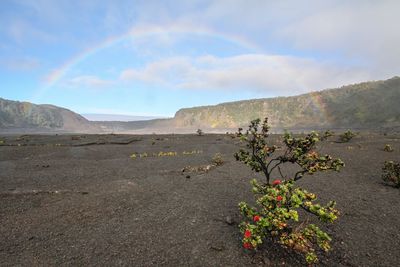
279 198
247 233
247 245
276 182
256 218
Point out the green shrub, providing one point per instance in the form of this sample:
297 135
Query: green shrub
329 133
217 159
388 148
391 173
347 136
276 216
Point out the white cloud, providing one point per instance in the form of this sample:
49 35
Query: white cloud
361 36
272 74
88 81
358 30
366 30
165 71
345 42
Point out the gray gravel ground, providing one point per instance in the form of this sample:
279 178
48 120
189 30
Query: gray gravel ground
81 200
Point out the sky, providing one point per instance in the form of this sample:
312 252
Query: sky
151 58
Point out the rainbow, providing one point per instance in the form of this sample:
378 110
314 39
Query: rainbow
319 103
136 33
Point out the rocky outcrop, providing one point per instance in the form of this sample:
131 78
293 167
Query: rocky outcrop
365 105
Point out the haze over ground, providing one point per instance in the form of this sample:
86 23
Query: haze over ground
151 58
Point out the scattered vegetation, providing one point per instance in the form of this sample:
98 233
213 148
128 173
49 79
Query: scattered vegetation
159 154
201 168
192 152
391 173
199 132
276 216
388 148
167 154
164 154
217 159
346 136
329 133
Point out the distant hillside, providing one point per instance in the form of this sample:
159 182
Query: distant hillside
26 116
365 105
369 105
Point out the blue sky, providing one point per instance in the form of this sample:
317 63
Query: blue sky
155 57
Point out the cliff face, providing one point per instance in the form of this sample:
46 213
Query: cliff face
369 105
25 115
365 105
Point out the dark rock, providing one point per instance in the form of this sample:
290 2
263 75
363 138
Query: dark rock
216 248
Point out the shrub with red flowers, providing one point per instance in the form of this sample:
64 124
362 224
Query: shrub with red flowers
276 216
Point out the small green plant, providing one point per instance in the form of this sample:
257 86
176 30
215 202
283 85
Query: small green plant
1 142
346 136
199 132
391 173
163 154
192 152
201 168
388 148
329 133
167 154
276 217
217 159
